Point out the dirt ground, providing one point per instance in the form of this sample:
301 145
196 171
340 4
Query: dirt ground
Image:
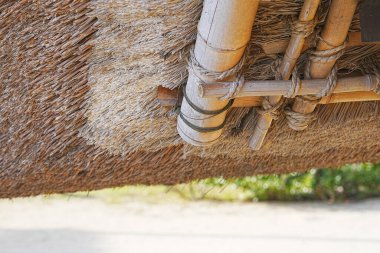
90 225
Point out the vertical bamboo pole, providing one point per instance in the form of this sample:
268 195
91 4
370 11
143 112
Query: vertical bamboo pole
224 31
292 53
333 35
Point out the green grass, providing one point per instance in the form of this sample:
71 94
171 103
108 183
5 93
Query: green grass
350 182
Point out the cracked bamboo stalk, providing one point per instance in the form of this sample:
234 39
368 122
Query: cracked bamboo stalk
224 31
292 53
333 35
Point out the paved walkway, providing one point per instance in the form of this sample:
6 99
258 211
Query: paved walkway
89 225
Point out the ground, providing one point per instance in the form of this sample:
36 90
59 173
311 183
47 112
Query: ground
92 225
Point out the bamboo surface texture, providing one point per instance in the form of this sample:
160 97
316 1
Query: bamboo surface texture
292 53
333 35
279 46
224 31
350 89
169 99
281 87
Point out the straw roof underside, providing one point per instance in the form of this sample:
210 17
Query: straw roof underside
77 107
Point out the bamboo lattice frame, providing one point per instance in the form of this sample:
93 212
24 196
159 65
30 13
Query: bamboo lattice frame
359 88
79 108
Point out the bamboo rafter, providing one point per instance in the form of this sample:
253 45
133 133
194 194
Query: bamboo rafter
224 32
288 63
333 36
217 51
350 89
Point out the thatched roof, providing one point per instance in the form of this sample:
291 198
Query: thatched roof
78 108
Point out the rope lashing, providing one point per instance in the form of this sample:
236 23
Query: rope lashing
202 74
274 111
295 84
324 56
267 108
235 88
300 121
331 81
377 88
372 66
304 28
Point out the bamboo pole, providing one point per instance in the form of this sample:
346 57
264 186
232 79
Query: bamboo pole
224 31
279 46
292 53
333 35
282 87
171 99
360 96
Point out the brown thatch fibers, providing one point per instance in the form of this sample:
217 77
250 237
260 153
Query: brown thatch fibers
54 69
137 49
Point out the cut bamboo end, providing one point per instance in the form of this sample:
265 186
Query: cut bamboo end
223 33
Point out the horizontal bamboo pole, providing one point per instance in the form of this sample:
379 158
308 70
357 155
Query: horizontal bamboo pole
281 87
279 46
170 98
360 96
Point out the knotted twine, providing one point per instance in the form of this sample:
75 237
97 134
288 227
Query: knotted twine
275 110
304 28
371 65
201 74
299 28
300 121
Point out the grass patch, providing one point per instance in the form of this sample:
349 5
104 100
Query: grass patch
350 182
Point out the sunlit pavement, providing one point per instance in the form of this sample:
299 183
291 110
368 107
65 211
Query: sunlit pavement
90 226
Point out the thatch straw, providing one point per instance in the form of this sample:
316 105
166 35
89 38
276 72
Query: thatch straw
78 108
143 54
